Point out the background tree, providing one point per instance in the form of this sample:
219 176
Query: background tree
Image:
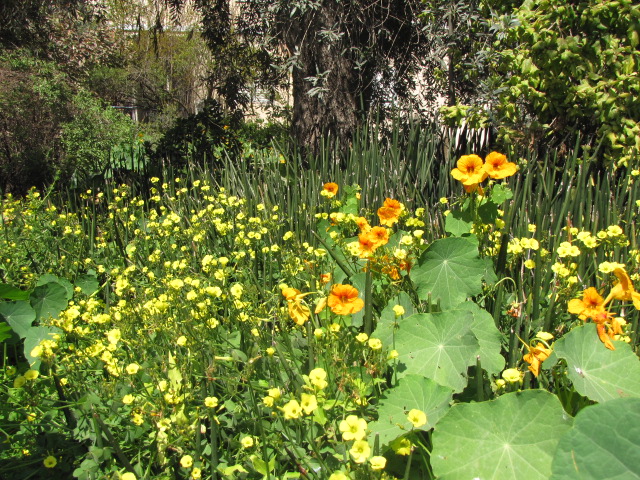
344 57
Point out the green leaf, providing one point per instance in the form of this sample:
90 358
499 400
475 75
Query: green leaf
514 436
19 315
449 271
413 391
597 372
500 193
604 442
33 338
488 213
12 293
49 278
5 331
439 346
489 338
388 322
49 300
458 223
88 284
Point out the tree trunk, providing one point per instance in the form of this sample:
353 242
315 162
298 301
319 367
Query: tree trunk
335 110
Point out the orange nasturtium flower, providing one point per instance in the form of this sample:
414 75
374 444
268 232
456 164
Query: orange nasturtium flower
469 170
366 245
593 306
298 312
389 212
379 235
623 290
497 166
536 356
343 300
363 224
329 190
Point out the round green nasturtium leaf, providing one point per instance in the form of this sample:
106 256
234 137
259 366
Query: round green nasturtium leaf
604 442
458 223
440 346
19 315
514 436
413 391
49 278
388 323
489 338
49 300
88 284
33 338
598 373
449 272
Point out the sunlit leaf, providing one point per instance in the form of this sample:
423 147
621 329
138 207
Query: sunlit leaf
88 284
489 338
597 372
19 315
413 391
514 436
440 346
449 272
49 278
388 322
33 338
604 442
49 300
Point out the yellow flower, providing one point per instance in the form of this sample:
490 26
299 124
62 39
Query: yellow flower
211 402
536 356
530 264
567 250
378 462
31 374
623 290
298 312
469 170
247 442
362 337
50 461
196 473
128 476
512 375
132 368
402 446
398 310
353 428
343 300
308 403
546 336
128 399
291 410
375 343
417 417
360 451
497 167
338 476
186 461
317 377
